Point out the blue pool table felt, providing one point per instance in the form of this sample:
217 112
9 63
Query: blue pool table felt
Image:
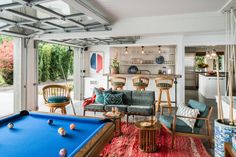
33 136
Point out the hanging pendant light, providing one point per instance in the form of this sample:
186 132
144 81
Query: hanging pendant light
159 49
142 50
126 50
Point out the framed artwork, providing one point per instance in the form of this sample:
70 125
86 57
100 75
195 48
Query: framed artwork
96 62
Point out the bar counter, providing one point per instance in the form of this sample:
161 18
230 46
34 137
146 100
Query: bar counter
146 75
152 85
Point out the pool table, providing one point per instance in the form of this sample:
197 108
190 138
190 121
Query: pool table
33 136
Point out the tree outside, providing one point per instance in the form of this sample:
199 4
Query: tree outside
6 60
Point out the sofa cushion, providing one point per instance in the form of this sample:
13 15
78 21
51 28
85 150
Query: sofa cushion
113 98
203 109
127 96
143 98
99 95
94 107
180 125
186 111
140 110
121 108
57 99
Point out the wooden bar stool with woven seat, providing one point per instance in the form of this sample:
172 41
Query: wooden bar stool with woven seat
140 82
56 96
118 83
164 84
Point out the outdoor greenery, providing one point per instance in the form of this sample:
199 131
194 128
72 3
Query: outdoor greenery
6 60
52 59
200 62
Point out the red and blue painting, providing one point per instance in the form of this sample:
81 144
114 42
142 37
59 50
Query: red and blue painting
96 62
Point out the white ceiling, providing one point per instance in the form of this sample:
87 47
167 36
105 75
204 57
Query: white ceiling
119 9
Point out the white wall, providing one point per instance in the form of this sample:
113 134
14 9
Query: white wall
179 40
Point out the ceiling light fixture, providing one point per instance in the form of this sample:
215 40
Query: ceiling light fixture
211 54
142 50
126 50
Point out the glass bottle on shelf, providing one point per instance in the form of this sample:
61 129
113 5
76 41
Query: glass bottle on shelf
164 70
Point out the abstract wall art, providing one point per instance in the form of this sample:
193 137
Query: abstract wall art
96 62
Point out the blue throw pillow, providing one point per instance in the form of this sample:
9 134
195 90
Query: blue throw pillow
113 99
99 95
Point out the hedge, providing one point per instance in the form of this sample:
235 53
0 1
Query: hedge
52 59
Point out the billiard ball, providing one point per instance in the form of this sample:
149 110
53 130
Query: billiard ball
60 129
63 152
62 133
50 121
10 125
72 126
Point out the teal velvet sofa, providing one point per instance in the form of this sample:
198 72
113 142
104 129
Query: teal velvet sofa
134 103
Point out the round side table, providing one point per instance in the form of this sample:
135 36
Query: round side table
147 135
116 118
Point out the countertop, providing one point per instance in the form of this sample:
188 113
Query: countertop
146 75
208 75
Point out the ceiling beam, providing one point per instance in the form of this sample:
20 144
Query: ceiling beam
8 21
15 34
5 27
21 15
62 43
82 7
10 6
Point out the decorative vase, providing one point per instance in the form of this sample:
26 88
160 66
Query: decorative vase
133 69
223 133
114 71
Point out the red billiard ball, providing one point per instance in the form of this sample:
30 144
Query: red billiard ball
50 121
63 152
72 126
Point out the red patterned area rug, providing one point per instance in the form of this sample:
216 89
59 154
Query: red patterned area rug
127 145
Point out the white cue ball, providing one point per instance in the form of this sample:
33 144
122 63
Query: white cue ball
10 125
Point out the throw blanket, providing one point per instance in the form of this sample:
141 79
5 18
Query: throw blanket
90 100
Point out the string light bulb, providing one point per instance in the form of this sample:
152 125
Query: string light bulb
142 50
126 50
159 49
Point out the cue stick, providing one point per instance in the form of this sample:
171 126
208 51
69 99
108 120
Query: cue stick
73 108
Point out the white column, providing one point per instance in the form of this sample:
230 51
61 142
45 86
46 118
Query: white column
31 73
77 73
19 75
179 69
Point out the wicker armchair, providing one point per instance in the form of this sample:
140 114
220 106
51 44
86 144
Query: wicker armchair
56 96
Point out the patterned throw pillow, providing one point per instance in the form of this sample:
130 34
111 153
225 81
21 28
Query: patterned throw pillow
99 95
113 99
186 111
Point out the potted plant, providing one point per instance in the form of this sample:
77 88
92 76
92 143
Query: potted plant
225 129
115 66
202 66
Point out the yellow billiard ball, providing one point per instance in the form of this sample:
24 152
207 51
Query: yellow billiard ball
60 129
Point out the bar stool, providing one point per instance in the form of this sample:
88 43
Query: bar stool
164 84
118 83
140 82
